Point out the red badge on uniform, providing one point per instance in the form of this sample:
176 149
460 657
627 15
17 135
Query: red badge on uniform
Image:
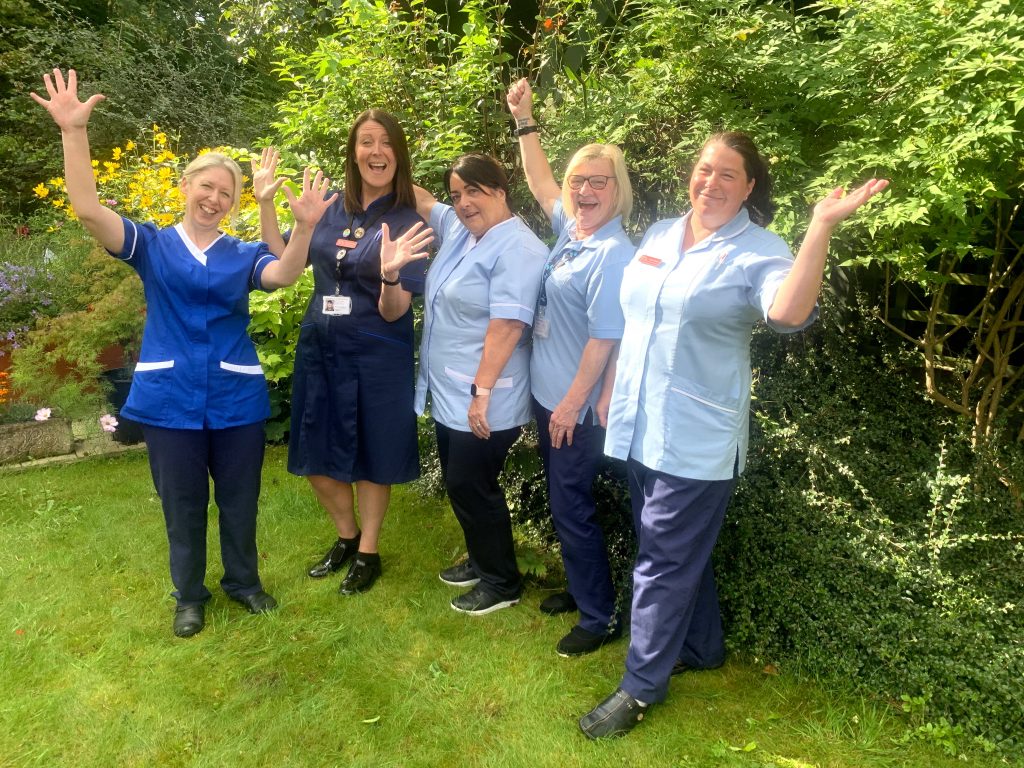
650 261
343 243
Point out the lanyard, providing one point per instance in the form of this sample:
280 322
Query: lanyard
569 252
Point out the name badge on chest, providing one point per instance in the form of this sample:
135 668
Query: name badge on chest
541 327
337 305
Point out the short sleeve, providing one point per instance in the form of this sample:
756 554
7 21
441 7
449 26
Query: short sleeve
444 222
766 267
559 218
604 310
515 283
261 256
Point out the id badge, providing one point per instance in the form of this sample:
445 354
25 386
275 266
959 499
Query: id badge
541 327
337 305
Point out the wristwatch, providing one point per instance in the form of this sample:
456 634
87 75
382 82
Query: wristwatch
476 391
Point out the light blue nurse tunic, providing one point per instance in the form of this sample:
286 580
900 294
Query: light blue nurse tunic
471 282
681 399
582 303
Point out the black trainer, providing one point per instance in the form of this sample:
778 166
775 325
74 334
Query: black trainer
615 716
460 575
480 600
560 602
580 641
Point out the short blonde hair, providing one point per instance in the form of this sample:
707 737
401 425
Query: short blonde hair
623 189
218 160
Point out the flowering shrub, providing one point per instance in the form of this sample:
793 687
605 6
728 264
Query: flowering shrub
140 181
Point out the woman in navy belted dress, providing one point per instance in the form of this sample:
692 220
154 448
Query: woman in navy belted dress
353 428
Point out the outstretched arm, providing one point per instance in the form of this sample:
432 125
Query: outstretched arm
265 184
799 291
72 117
425 202
539 177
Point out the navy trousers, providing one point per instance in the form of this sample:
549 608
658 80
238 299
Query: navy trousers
182 462
470 468
570 472
675 601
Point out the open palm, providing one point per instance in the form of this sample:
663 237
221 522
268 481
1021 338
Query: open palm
64 106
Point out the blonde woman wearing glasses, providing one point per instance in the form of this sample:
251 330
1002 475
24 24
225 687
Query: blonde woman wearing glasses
577 327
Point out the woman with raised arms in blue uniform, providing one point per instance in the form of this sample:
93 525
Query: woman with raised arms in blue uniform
680 405
474 362
198 389
353 428
577 328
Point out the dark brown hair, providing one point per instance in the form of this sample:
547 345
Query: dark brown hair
759 204
404 195
478 170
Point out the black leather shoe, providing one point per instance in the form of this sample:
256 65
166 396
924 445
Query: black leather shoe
580 641
361 575
560 602
189 620
615 716
336 556
257 602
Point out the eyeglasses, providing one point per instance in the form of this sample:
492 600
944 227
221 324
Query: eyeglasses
596 182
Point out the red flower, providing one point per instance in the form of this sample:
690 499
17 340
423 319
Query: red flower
549 24
22 231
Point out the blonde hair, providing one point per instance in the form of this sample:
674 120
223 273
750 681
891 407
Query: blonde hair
218 160
623 189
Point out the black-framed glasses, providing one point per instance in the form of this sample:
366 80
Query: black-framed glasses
596 182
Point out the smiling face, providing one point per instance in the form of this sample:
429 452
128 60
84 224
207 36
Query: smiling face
375 159
718 186
592 208
478 208
209 196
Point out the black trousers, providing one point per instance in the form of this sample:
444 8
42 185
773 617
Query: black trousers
470 468
182 462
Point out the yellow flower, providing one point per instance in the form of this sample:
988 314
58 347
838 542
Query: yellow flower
95 163
160 139
41 190
129 145
57 202
117 153
56 182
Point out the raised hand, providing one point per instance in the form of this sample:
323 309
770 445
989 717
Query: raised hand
265 181
520 100
64 106
836 206
410 246
309 207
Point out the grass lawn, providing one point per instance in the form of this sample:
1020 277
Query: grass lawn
92 675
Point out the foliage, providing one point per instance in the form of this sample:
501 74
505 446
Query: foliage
165 63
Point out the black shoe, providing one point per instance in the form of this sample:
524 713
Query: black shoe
480 600
361 575
460 575
615 716
580 641
257 602
560 602
336 556
189 620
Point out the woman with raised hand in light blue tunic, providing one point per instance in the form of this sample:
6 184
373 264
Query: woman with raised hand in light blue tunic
681 399
480 295
579 322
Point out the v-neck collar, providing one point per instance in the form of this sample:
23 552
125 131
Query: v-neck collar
199 254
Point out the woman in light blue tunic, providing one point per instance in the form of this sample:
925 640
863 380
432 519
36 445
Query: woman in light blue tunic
480 296
681 399
578 324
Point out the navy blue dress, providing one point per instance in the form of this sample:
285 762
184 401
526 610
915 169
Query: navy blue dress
352 390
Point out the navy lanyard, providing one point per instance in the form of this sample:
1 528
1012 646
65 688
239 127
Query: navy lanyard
569 252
